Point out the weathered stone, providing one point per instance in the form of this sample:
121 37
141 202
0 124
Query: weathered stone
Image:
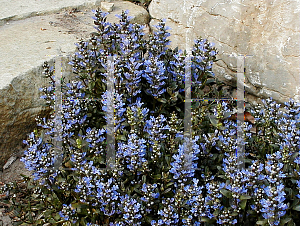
140 15
24 46
267 30
19 9
107 6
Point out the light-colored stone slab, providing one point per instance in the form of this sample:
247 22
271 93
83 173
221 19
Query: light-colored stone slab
20 9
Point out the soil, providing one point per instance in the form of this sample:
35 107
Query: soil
11 174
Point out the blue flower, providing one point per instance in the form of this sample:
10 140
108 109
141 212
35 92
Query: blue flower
183 166
68 213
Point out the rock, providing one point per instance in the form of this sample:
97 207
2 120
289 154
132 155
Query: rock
140 15
6 221
9 162
13 172
107 6
267 30
24 46
19 9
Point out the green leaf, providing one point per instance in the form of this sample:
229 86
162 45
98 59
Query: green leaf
43 135
165 175
216 212
213 120
174 98
181 97
121 137
169 184
206 219
38 222
263 222
297 208
226 193
148 219
144 178
30 218
291 223
242 197
211 80
91 85
103 86
228 114
222 176
16 213
168 159
137 191
285 220
60 179
295 202
83 221
167 190
57 217
292 158
178 109
243 204
274 145
234 214
24 176
52 221
162 100
80 207
170 91
198 90
157 176
48 213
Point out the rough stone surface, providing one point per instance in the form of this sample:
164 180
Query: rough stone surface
5 219
20 9
267 30
107 6
24 46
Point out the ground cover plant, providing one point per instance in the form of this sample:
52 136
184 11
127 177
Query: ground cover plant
157 181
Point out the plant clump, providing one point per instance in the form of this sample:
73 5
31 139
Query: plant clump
160 176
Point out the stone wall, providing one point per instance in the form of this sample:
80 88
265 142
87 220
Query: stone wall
267 30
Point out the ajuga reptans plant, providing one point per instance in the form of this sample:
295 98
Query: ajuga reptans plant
161 177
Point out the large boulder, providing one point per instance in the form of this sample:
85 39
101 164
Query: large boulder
24 46
267 30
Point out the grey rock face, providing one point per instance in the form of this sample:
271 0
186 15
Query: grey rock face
107 6
267 30
25 44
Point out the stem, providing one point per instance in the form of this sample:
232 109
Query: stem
85 83
52 79
58 196
131 95
160 108
244 214
153 105
118 82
